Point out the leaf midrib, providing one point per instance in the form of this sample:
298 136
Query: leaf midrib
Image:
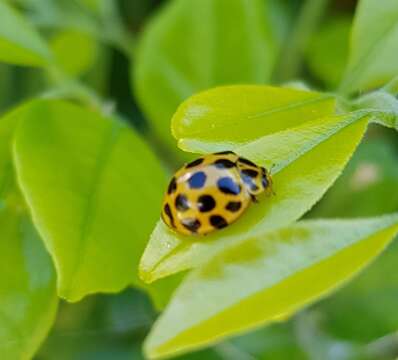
265 113
110 140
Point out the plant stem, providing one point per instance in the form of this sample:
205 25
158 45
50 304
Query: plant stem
68 86
292 54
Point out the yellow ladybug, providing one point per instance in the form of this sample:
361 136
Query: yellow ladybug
212 192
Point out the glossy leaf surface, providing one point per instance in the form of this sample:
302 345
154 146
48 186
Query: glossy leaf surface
307 161
19 42
374 45
230 116
266 278
194 45
91 185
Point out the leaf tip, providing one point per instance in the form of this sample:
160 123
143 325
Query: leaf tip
145 275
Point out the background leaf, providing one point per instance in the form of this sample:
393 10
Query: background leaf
327 52
374 45
365 309
191 46
367 186
298 185
28 300
19 42
228 117
65 43
273 280
90 184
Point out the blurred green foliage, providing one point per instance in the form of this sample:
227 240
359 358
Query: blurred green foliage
131 62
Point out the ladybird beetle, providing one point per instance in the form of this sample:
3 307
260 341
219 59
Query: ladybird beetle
212 192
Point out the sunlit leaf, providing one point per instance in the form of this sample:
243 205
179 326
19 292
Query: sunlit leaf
268 276
19 42
194 45
374 45
228 117
28 300
91 185
307 161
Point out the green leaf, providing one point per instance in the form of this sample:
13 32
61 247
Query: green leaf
66 43
230 116
374 45
19 42
327 143
266 278
28 300
91 185
194 45
328 51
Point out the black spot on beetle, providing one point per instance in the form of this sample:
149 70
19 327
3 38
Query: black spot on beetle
172 186
248 176
233 206
206 203
191 224
228 186
247 162
264 182
194 163
181 202
228 152
167 211
250 172
224 164
197 180
218 221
